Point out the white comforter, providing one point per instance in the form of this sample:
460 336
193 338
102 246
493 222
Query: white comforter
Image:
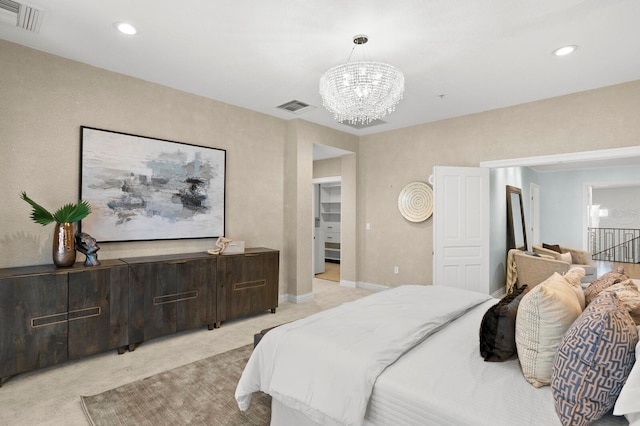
326 365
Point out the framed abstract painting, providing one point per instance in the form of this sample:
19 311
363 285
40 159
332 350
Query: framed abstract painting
142 188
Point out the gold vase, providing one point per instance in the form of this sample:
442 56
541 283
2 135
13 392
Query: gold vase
64 248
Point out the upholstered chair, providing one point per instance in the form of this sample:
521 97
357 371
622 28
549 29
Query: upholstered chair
573 257
532 269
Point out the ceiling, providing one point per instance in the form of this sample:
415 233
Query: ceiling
458 57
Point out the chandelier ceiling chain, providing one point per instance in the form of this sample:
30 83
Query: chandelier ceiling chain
361 91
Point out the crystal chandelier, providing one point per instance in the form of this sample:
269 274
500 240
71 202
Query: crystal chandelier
361 91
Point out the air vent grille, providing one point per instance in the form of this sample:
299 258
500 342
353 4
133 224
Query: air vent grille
29 18
9 11
10 6
20 15
296 107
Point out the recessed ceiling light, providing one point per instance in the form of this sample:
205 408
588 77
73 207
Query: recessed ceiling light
565 50
126 28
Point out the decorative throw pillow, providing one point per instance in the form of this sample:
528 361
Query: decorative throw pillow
498 328
604 281
593 361
566 257
629 295
554 247
544 314
573 277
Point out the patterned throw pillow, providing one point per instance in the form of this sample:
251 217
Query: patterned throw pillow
604 281
544 315
629 295
593 361
498 328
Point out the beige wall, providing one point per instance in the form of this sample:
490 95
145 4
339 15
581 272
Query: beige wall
327 168
45 99
592 120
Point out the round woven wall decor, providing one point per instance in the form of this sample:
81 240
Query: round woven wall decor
415 202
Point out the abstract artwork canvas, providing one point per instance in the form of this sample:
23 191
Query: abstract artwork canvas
142 188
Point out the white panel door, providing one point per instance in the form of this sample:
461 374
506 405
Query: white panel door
461 227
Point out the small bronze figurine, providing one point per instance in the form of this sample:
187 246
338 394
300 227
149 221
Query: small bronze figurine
87 245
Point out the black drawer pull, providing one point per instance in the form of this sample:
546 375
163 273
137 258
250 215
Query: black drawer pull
174 298
52 319
63 317
84 313
249 284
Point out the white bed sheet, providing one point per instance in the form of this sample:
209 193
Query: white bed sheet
326 364
444 381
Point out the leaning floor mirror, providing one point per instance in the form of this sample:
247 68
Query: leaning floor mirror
516 230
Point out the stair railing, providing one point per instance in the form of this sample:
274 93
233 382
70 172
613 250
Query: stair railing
615 244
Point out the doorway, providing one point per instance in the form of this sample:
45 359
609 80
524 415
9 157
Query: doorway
327 226
613 222
576 161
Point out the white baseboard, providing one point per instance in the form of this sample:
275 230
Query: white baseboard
350 284
360 284
371 286
295 299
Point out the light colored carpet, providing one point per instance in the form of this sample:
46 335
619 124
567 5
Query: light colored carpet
199 393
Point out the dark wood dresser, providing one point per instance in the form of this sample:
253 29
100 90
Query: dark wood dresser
49 315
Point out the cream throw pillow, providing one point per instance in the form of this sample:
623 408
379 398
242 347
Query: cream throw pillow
566 257
573 278
544 315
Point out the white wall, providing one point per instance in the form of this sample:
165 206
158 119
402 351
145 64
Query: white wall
622 204
562 203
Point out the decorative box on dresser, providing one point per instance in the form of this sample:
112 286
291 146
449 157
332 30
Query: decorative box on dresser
247 282
49 315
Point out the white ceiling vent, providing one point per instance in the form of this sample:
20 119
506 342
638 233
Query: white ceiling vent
20 15
295 107
361 125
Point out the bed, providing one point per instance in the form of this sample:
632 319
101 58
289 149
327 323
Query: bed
437 378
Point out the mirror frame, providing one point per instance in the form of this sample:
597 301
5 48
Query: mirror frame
515 194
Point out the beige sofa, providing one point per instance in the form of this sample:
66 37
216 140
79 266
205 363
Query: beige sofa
532 270
579 258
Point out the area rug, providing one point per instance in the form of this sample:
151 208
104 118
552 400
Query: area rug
200 393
